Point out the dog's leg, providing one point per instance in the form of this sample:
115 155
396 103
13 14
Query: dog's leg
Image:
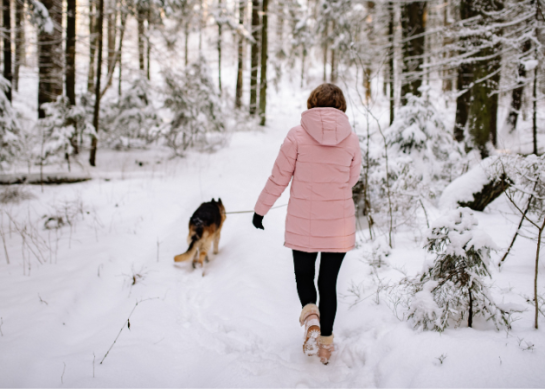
217 241
205 248
194 263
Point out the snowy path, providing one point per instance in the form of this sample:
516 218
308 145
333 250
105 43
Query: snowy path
236 326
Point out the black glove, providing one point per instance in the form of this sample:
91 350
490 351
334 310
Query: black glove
258 221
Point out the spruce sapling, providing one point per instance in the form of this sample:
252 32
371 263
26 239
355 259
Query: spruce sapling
452 289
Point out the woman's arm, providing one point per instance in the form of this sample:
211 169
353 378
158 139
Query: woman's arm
355 167
282 172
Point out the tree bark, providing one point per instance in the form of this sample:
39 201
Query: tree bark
111 26
391 68
92 46
8 71
325 38
370 32
477 107
333 75
240 59
70 71
141 15
264 60
19 41
186 43
413 25
96 114
50 58
148 43
123 16
219 49
536 301
254 56
534 114
516 94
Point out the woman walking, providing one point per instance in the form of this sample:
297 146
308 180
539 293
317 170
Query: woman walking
323 156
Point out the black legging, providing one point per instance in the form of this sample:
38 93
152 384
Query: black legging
305 268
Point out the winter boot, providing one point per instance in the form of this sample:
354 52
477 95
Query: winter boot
325 348
310 318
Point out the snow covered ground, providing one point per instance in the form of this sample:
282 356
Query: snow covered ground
236 324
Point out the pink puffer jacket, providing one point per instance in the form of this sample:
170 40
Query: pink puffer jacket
323 156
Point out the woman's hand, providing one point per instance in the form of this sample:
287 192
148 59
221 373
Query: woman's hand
258 221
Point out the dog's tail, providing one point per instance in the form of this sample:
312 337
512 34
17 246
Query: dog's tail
190 253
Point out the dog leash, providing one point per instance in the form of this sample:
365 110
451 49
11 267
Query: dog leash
278 206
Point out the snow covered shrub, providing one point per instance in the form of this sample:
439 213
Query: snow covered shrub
195 106
9 128
410 166
132 122
58 130
423 151
452 288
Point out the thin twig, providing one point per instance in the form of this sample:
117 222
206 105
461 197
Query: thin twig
126 323
62 375
517 232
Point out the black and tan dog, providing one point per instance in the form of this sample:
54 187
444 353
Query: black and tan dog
204 228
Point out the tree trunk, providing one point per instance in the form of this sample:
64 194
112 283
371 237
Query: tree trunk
264 60
462 101
516 94
325 38
100 22
8 72
50 58
70 72
470 313
280 6
536 297
92 46
391 68
254 56
148 57
534 114
483 111
240 59
141 15
303 57
370 32
447 73
19 40
112 21
123 17
477 109
413 25
333 75
186 43
219 50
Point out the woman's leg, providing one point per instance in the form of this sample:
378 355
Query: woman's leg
304 265
330 264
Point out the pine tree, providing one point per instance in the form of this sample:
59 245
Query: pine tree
452 289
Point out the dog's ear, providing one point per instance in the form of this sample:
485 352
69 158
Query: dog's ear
219 201
213 201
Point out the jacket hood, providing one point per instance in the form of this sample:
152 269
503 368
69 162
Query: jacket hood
328 126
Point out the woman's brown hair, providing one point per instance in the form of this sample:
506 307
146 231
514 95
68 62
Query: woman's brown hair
327 95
